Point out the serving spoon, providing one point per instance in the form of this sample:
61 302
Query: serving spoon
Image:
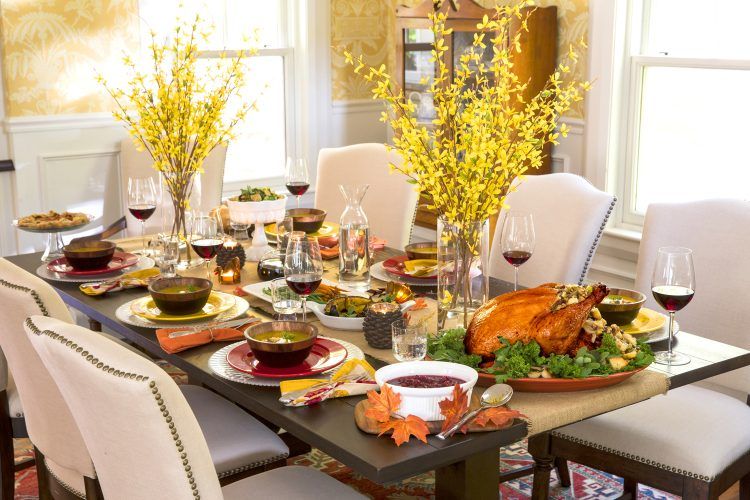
495 395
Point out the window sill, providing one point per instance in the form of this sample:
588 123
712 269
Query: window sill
623 234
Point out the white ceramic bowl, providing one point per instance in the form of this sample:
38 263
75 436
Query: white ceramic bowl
339 323
252 212
423 403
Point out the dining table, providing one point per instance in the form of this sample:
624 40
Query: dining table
465 465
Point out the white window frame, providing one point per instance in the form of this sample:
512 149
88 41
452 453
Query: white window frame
617 32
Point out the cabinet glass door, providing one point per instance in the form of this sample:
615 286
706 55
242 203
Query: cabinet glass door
419 71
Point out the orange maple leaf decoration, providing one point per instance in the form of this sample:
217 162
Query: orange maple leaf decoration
498 416
403 429
419 303
455 408
382 408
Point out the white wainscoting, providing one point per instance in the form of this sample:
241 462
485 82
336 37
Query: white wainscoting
66 162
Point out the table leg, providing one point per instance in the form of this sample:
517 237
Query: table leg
476 478
539 448
94 325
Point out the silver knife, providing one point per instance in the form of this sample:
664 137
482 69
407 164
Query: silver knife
226 324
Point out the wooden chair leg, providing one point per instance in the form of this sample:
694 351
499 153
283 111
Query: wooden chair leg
695 489
94 325
93 489
629 488
539 448
562 471
7 454
42 476
745 487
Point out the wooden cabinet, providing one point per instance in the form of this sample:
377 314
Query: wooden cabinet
414 41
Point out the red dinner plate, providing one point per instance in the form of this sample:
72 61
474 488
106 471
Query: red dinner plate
119 261
325 354
395 265
559 384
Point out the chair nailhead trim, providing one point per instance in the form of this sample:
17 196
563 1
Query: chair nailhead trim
253 465
65 485
595 244
635 458
133 376
33 293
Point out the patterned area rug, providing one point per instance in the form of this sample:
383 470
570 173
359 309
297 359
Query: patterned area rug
587 483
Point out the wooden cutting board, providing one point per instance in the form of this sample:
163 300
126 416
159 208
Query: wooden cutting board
370 425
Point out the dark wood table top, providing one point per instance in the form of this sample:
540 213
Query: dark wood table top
330 426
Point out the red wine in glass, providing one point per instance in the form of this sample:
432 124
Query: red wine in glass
516 257
142 212
297 188
303 284
207 247
672 298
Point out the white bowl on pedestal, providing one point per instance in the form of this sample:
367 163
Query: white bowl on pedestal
258 213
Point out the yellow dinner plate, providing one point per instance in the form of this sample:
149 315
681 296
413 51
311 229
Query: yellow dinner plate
647 321
328 229
218 302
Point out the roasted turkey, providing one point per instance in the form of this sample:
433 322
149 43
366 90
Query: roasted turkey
552 314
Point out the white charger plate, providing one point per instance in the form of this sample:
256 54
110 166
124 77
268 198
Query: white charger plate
143 263
124 314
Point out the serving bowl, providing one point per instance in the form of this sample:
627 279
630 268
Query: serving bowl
422 250
180 296
344 323
422 402
309 220
89 255
624 312
281 355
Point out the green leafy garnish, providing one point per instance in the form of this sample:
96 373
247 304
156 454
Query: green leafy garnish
448 345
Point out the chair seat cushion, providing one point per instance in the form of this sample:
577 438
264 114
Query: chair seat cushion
290 482
236 440
691 431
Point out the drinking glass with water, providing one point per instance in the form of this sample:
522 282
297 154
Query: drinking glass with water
166 252
286 303
409 340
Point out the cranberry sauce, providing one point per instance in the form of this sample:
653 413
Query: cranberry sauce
426 381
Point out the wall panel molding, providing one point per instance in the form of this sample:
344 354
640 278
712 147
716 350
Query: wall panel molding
44 123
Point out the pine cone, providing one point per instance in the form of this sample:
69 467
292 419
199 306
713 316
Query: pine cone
377 328
224 255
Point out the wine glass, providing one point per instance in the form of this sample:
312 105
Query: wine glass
303 266
673 287
297 177
142 201
206 239
517 239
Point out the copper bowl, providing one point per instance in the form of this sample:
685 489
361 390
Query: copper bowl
309 220
423 250
281 355
89 255
622 314
183 302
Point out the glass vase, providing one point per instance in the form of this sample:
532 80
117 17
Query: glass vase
463 283
354 239
178 209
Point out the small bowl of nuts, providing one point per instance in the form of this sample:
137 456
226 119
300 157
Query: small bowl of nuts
621 306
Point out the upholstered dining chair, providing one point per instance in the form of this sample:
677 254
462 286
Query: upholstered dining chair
143 437
569 216
390 203
239 443
134 163
695 441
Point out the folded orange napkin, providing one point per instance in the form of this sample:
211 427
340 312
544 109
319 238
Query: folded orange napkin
203 337
330 249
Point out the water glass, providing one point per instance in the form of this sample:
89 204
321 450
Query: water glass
409 340
284 228
166 252
285 301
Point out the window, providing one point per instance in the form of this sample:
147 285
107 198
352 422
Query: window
264 140
686 69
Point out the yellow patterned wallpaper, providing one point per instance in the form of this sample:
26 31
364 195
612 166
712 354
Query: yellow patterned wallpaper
367 27
52 49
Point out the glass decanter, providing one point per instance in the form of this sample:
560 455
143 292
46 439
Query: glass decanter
354 239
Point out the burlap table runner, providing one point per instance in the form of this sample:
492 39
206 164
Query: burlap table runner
545 411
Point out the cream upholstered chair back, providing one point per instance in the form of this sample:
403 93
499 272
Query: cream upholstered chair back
134 163
142 435
50 425
569 217
716 231
390 203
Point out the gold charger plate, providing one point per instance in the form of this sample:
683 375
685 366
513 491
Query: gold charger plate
217 303
328 229
647 321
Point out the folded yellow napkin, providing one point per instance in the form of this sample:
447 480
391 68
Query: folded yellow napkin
353 378
129 280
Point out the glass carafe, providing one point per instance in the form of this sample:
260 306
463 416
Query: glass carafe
354 239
